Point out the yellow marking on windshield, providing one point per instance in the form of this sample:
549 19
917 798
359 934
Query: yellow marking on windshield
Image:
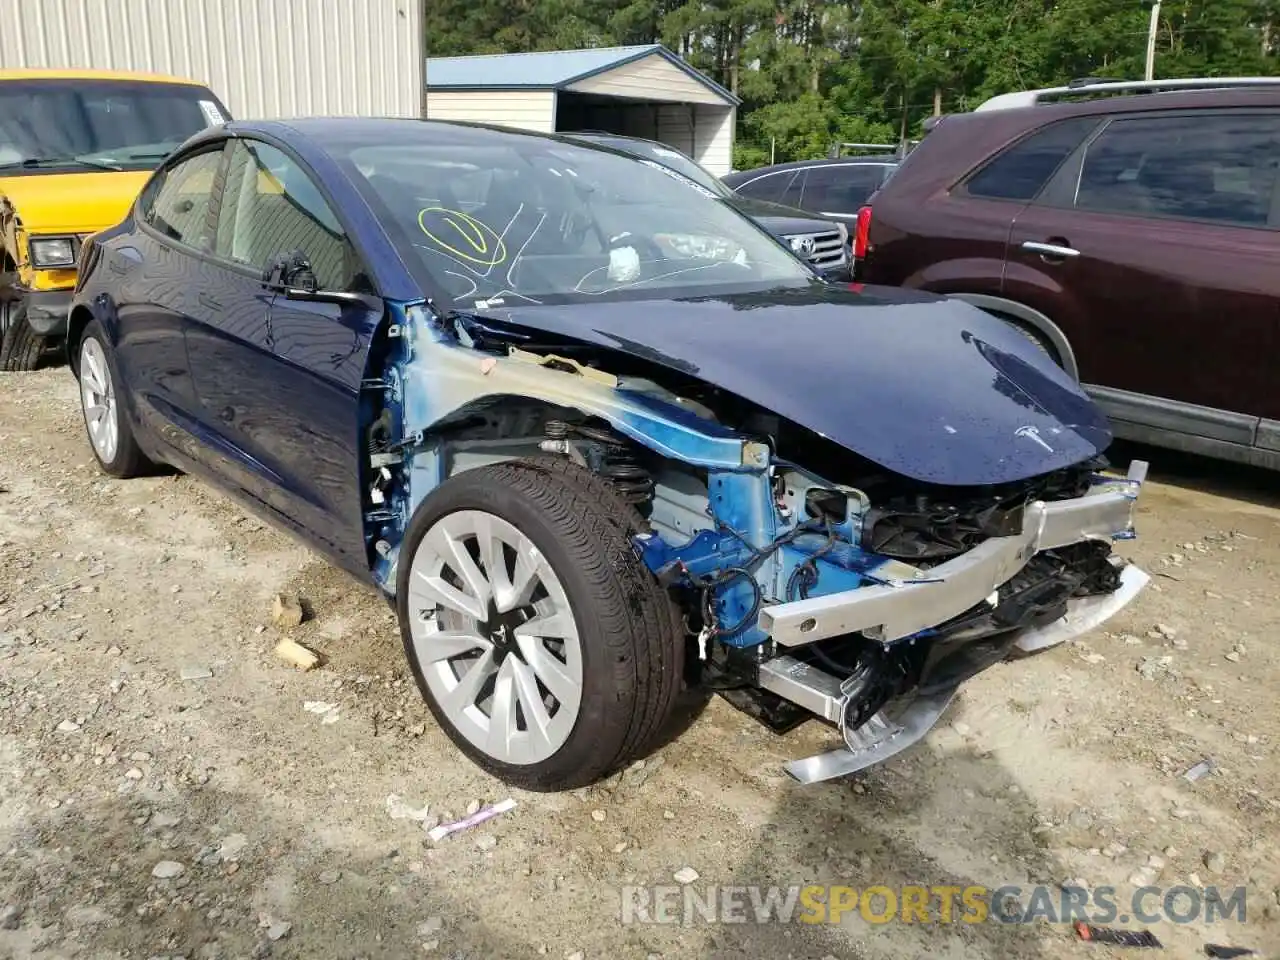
485 245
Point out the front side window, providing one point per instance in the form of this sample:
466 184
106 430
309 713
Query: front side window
67 125
272 208
525 219
842 188
771 187
177 201
1220 168
1022 170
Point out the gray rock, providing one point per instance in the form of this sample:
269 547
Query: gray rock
279 930
168 870
473 807
68 726
1215 862
10 916
430 926
685 875
232 846
329 877
196 672
1080 818
84 915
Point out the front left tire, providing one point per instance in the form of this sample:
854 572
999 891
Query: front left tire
543 646
110 436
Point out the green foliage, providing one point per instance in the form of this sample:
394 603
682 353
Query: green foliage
814 72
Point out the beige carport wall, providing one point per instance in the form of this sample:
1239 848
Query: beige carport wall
643 91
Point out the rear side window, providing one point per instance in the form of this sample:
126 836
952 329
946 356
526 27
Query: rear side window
1021 171
772 186
177 202
841 189
1221 168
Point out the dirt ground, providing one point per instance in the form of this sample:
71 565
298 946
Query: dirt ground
145 722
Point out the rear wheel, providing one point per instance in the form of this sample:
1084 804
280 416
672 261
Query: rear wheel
543 646
110 435
20 346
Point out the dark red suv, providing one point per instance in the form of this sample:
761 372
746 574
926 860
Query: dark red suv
1134 236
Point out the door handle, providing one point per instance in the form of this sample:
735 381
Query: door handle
1054 250
209 301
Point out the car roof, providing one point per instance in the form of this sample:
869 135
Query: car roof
45 73
350 132
860 161
1125 92
1027 117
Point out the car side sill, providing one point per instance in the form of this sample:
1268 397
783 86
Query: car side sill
1174 416
1269 435
1201 446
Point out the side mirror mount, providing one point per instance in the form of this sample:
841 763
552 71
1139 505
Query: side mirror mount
291 274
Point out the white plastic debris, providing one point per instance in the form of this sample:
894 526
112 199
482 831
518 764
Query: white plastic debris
397 809
624 264
327 712
488 813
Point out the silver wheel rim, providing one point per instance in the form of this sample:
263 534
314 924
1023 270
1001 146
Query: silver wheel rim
495 637
97 396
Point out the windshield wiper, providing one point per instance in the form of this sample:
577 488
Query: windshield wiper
148 156
39 163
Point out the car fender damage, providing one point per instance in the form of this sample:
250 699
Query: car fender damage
813 582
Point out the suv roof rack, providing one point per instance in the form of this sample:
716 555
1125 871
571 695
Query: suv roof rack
854 149
1091 85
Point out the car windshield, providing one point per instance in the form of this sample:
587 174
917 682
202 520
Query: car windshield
528 219
63 125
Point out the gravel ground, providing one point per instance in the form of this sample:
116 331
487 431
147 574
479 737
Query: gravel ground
165 790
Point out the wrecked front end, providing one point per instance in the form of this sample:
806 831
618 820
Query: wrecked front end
813 582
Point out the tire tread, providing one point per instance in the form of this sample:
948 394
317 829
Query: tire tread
639 623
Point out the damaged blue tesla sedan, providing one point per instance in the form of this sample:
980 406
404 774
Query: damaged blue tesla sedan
600 437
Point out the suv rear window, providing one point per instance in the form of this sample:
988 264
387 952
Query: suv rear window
1024 168
1202 167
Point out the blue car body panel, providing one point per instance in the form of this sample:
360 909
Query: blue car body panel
850 366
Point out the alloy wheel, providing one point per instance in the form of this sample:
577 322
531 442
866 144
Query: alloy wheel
495 637
97 395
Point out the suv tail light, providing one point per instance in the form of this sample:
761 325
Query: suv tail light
861 231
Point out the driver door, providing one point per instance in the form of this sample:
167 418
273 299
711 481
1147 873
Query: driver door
282 376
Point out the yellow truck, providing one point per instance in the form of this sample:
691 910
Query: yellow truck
76 146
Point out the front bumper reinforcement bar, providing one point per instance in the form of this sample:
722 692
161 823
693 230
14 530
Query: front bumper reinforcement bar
904 607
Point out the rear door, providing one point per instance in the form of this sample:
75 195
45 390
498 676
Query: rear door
1155 249
151 271
930 232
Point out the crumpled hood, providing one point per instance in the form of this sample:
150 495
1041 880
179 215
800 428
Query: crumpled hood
73 202
930 388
